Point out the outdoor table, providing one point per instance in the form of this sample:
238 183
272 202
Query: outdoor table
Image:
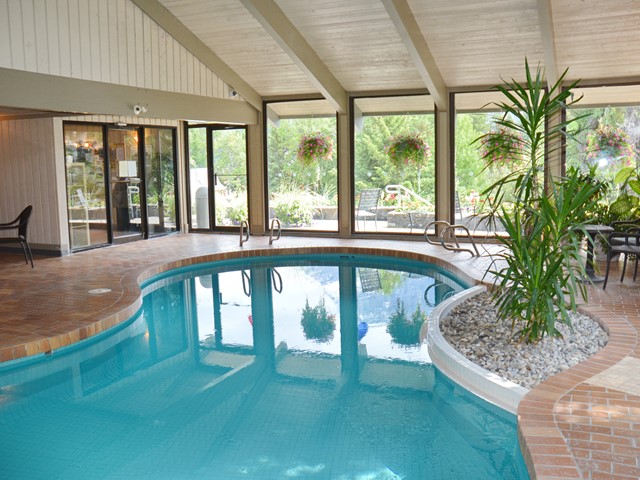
593 231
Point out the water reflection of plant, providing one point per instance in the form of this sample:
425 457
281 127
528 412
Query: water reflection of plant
317 323
405 331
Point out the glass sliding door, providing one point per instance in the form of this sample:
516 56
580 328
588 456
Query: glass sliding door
160 182
198 178
125 184
218 176
86 195
112 194
229 159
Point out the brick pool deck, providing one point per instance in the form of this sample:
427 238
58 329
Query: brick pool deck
583 423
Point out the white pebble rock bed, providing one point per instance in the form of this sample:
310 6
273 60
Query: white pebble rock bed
472 328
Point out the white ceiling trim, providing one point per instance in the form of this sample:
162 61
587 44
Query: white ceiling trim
409 31
548 41
174 27
276 23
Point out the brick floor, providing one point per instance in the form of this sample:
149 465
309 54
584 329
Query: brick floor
582 424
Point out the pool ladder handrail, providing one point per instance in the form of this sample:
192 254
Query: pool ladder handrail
274 222
276 280
244 232
435 285
451 229
246 283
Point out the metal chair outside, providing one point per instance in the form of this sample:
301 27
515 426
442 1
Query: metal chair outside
368 206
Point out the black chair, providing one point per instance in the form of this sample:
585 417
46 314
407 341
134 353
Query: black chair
20 226
623 243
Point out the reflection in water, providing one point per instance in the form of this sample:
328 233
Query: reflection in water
406 330
317 323
207 382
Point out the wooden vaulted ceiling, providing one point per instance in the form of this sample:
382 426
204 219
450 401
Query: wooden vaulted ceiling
336 47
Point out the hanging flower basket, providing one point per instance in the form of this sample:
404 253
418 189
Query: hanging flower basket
502 147
313 148
608 142
408 149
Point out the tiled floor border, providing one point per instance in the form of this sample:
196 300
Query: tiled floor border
128 304
543 424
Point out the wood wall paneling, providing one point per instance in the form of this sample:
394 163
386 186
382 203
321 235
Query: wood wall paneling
27 177
107 41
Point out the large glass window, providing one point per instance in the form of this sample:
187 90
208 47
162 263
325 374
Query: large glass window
394 166
302 165
86 198
608 142
475 171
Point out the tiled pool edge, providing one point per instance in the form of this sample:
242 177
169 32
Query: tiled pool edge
464 372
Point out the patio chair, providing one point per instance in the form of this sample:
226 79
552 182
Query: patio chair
458 207
369 279
20 226
368 206
623 243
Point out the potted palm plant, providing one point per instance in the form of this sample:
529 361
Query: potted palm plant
539 278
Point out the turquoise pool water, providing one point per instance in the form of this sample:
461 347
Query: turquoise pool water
286 368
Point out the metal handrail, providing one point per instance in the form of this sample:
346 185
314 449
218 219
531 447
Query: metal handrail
244 232
429 225
401 189
274 221
458 248
452 229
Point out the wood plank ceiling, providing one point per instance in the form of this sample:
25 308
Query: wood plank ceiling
472 43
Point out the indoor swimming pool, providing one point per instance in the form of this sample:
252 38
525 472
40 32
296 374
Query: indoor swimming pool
268 368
